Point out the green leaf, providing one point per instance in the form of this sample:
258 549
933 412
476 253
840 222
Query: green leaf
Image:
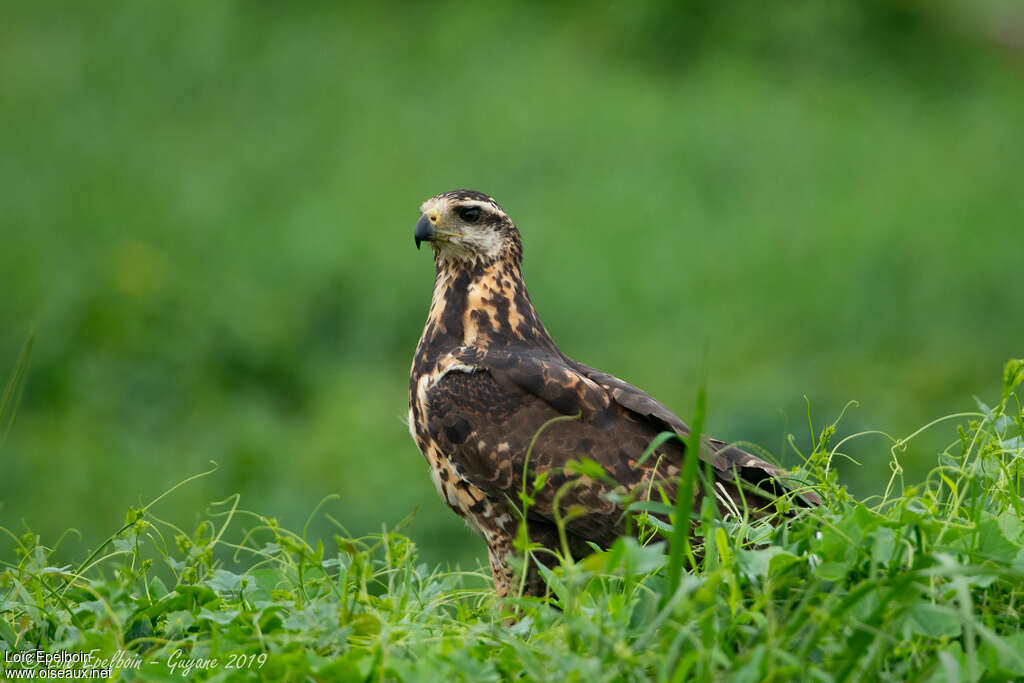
627 552
139 627
224 581
124 545
655 442
832 571
751 671
157 588
992 543
199 595
1011 526
865 518
1010 658
586 467
177 623
953 662
364 625
340 671
1014 444
884 545
933 621
722 545
271 618
765 562
7 634
222 617
780 562
316 617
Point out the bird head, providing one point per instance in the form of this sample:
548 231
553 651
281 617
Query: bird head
467 227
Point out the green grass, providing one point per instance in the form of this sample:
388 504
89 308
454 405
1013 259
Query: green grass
923 582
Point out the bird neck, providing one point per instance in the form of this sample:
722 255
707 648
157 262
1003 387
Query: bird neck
484 305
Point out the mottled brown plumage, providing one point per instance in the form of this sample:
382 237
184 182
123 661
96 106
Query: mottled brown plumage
487 376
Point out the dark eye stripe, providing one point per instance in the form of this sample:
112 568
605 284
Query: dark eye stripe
470 214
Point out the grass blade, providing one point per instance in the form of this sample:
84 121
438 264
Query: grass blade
11 397
680 542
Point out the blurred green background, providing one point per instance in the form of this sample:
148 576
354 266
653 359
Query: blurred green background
207 213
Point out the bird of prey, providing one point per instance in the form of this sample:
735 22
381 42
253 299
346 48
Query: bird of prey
486 377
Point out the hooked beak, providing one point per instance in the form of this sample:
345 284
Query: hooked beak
425 231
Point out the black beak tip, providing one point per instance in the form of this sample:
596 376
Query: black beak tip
425 231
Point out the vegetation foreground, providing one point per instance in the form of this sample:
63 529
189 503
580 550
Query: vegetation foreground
922 582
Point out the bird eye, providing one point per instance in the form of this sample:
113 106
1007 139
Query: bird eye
470 214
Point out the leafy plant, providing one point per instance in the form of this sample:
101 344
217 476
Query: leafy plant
924 582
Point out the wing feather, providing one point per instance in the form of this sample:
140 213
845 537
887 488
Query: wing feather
485 421
725 457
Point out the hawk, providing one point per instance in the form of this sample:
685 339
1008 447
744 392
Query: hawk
487 377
